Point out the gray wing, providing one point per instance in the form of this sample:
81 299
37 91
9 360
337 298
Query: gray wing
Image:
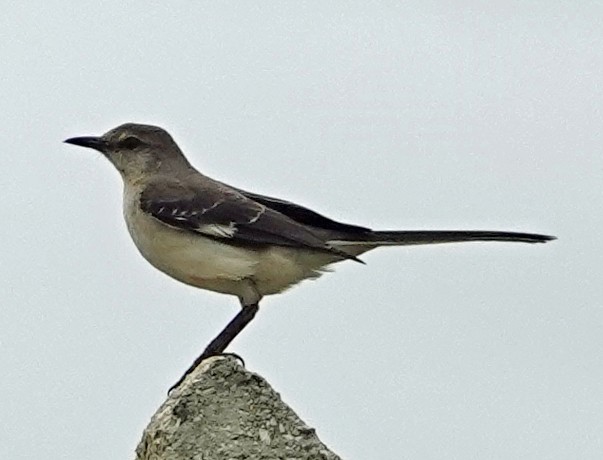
218 211
303 215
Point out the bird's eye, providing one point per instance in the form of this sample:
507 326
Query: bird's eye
129 143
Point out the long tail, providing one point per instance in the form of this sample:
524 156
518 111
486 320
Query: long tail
411 237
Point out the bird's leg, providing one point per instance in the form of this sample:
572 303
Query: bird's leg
219 344
238 323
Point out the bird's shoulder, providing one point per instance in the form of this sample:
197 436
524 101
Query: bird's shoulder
194 201
204 206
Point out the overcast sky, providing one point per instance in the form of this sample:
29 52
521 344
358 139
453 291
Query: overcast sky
394 115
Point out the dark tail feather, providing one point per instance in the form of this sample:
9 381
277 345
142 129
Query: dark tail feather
411 237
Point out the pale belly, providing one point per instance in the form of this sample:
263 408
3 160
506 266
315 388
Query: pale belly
210 264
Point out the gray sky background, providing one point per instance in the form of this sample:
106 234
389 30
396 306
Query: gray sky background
485 115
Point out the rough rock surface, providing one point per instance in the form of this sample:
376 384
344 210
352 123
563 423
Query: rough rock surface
223 411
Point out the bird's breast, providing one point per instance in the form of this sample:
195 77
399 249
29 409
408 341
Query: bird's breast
209 263
186 256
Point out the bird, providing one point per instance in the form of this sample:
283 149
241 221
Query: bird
213 236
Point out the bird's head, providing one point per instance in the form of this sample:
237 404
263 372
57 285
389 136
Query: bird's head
135 150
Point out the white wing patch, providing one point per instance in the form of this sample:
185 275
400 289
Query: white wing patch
185 214
261 210
221 231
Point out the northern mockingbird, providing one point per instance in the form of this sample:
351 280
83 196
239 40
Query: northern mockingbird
213 236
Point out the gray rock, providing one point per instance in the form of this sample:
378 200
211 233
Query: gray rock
223 411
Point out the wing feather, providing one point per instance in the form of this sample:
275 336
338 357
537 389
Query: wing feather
216 210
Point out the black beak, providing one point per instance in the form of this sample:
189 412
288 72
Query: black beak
92 142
